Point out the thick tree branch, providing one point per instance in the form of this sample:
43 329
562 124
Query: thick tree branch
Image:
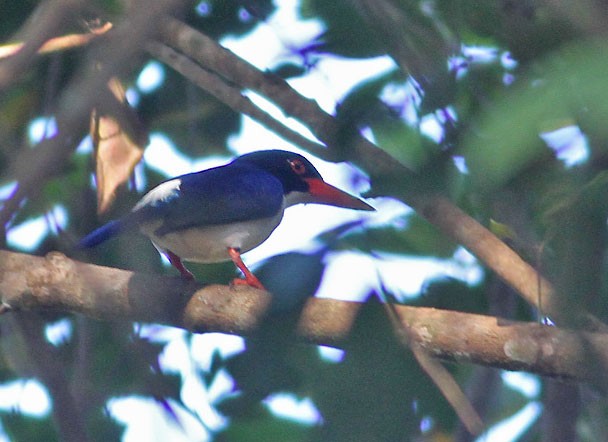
58 283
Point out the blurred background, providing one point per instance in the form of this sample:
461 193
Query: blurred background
500 105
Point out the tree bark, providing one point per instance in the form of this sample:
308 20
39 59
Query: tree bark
55 282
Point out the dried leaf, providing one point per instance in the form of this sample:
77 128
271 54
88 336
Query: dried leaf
116 153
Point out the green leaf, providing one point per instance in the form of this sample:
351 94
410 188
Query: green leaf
266 427
194 120
20 427
347 33
417 237
289 70
506 141
403 142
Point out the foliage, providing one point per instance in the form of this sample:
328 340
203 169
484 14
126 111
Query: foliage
507 75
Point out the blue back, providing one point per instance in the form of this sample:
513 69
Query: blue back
221 195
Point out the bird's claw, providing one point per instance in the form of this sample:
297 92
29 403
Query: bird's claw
251 282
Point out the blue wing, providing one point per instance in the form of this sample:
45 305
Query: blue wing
222 195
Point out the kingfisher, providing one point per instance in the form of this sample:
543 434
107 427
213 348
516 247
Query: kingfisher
216 214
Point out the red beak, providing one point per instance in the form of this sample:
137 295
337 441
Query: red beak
324 193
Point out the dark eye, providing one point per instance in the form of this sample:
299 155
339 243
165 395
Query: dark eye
298 167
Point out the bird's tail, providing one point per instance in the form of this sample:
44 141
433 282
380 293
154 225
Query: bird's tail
100 235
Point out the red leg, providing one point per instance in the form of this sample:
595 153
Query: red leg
177 263
250 278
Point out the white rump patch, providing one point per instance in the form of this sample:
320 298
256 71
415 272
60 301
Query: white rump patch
161 192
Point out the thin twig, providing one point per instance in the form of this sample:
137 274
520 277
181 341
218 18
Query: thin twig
56 44
440 376
228 94
45 23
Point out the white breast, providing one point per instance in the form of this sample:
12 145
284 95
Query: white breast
209 244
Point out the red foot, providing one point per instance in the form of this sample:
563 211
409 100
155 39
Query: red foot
250 278
255 282
177 263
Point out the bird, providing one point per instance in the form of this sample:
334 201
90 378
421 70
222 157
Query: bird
217 214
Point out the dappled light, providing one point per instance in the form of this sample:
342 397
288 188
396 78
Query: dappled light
303 221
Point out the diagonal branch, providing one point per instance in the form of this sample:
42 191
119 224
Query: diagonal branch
57 283
228 93
389 177
64 42
48 20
